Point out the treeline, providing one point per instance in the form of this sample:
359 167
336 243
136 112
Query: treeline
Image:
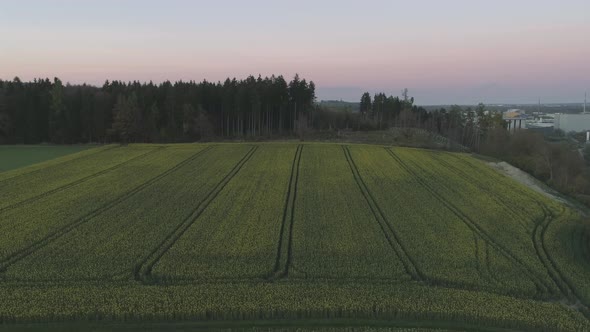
49 111
469 127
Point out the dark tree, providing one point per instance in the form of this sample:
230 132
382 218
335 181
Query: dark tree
366 105
45 111
57 118
127 118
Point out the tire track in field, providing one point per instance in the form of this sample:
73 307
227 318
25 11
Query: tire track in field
585 238
77 182
494 195
23 253
536 236
392 237
288 264
143 270
60 164
480 267
484 261
540 283
558 277
524 191
282 263
488 263
564 287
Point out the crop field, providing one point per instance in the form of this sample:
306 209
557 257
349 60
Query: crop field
287 234
16 156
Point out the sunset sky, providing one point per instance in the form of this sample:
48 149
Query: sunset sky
455 51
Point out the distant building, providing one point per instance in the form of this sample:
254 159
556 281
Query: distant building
515 119
540 127
572 122
541 123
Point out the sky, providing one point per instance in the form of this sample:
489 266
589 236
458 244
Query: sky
444 52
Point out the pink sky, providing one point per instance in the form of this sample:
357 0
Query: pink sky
454 53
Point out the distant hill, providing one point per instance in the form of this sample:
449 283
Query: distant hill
545 108
340 106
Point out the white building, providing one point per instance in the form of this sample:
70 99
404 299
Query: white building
572 122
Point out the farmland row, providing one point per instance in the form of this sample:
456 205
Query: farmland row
23 227
528 200
66 248
105 247
487 186
388 231
423 223
335 234
209 264
540 217
524 205
236 234
291 231
423 170
142 271
550 212
480 258
287 302
487 176
53 163
520 204
74 183
166 158
22 190
574 288
285 245
111 242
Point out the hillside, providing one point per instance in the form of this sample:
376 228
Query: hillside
340 106
287 233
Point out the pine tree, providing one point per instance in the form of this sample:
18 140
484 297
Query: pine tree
151 128
4 117
57 110
189 116
366 104
295 98
126 119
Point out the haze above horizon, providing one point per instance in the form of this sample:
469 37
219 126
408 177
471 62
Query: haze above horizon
451 52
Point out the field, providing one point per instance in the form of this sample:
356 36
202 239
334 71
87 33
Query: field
277 234
16 156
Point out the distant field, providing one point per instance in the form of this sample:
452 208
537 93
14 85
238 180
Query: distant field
16 156
287 234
